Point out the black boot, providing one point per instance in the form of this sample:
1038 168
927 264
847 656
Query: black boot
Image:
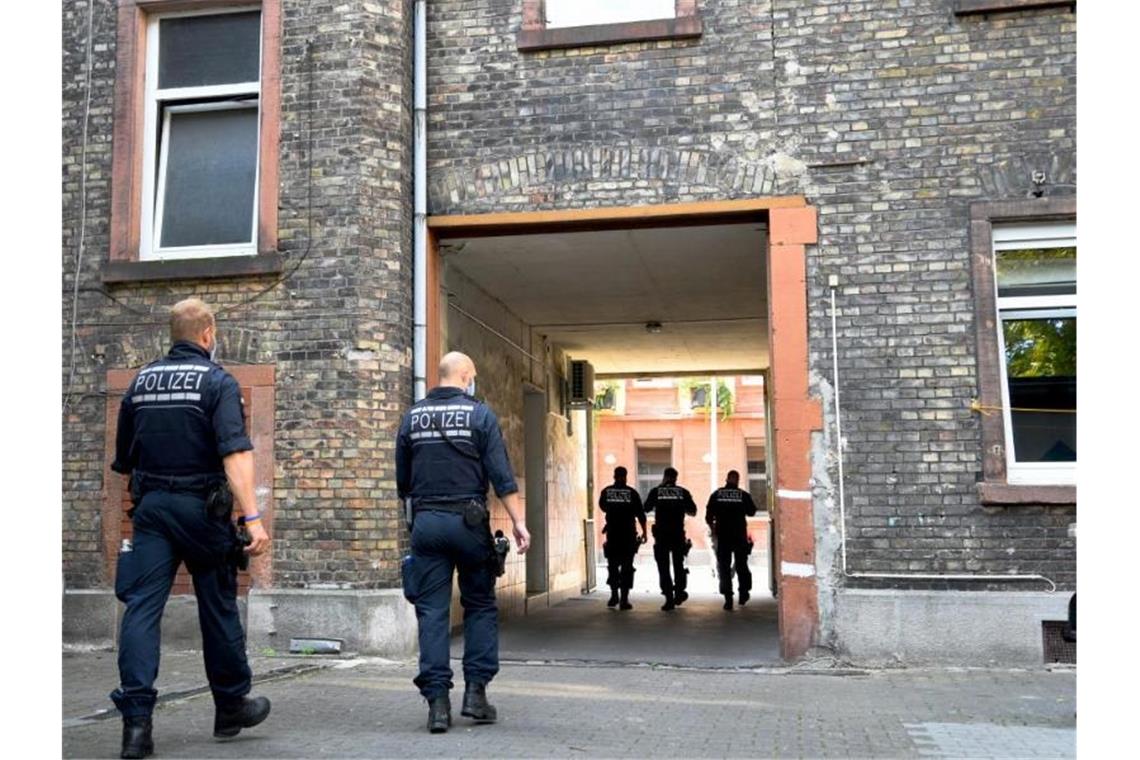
680 597
137 741
668 603
728 601
229 721
439 714
744 597
613 602
475 704
625 605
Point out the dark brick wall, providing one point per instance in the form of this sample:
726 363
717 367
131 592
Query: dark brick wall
338 330
928 111
936 111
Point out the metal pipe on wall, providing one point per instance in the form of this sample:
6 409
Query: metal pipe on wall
419 225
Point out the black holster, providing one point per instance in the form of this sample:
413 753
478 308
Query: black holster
220 501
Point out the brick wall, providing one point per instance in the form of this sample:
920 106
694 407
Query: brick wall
337 331
890 117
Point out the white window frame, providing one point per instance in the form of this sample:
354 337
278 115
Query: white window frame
590 19
1014 238
154 182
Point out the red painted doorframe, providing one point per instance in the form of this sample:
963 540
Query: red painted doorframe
792 225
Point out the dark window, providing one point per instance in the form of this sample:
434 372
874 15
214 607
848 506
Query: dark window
652 459
210 162
196 51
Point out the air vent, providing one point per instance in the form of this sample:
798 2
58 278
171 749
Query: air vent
1054 644
581 383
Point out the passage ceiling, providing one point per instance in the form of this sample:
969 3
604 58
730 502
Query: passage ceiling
593 293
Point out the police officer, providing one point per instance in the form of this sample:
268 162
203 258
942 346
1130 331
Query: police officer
622 507
448 450
182 438
670 503
726 512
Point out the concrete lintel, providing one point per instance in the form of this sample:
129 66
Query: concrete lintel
979 628
378 622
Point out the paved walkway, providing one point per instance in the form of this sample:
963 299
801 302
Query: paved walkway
368 708
699 633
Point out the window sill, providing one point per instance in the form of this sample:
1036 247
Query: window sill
115 272
1004 494
680 28
972 7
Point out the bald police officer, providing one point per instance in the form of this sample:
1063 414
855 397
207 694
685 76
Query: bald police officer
726 514
622 507
670 503
448 452
181 436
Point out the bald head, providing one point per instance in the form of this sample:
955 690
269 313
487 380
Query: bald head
456 370
192 320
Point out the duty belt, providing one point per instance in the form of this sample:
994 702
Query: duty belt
456 507
194 484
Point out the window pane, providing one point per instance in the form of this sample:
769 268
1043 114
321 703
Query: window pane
758 489
1037 272
653 461
203 50
1041 364
210 175
586 12
651 464
757 463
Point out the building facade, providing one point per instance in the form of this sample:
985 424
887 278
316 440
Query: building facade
910 162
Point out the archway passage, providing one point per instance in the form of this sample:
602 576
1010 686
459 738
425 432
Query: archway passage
689 290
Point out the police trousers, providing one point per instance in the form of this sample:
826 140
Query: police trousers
670 555
442 542
620 552
171 528
728 553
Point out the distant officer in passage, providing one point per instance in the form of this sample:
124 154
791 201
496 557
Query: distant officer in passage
726 512
182 439
622 507
670 503
449 450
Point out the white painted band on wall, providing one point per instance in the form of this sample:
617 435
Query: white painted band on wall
797 569
783 493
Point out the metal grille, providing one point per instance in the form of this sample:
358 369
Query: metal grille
1056 648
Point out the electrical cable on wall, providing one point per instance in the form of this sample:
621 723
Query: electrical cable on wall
842 499
82 205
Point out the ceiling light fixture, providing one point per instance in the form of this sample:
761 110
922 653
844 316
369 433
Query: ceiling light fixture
652 327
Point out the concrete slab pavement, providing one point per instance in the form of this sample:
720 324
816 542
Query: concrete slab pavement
369 708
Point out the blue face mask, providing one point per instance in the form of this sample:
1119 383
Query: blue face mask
470 389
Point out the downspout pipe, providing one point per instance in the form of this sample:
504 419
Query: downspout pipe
419 224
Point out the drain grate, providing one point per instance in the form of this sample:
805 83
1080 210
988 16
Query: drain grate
1056 648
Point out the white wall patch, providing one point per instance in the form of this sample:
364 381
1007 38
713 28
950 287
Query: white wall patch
797 569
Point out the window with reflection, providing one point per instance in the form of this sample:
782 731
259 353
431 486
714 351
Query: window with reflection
1036 273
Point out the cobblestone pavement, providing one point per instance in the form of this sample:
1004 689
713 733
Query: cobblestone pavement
368 708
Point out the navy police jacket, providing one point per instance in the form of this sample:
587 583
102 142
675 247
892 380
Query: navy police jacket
180 416
726 512
450 449
670 505
622 506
